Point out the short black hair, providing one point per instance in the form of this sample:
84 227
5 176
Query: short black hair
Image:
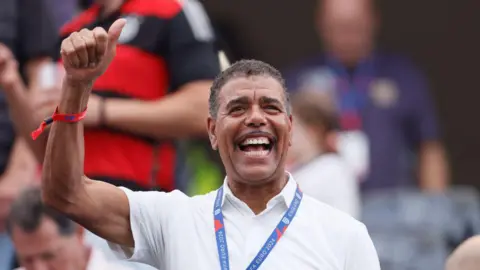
244 68
28 211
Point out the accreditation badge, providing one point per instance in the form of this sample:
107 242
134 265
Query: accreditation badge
384 93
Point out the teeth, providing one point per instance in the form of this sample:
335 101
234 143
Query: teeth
256 153
259 140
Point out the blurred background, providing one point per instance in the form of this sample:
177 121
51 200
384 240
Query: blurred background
386 126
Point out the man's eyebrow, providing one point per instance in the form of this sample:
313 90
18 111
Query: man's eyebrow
270 100
237 101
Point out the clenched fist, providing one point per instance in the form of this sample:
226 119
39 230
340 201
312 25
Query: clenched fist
86 54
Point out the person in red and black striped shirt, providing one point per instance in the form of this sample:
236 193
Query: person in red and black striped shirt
155 91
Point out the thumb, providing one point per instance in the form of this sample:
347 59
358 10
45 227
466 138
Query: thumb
114 33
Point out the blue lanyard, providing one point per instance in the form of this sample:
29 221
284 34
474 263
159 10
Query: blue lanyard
221 236
353 90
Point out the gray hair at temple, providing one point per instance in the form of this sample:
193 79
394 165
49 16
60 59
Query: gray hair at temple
466 256
28 210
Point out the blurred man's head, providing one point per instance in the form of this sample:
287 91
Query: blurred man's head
466 256
43 238
104 2
108 6
347 28
314 126
250 122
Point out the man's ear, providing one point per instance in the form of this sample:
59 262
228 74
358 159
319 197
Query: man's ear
211 125
290 129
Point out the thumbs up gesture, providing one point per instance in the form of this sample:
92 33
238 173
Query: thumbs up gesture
86 54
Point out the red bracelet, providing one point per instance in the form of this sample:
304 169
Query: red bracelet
69 118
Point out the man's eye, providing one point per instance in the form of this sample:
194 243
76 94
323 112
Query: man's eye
272 108
236 109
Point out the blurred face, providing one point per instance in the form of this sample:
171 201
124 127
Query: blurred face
46 249
306 143
347 29
252 130
110 5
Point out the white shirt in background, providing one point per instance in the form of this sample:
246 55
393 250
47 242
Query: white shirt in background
175 232
329 179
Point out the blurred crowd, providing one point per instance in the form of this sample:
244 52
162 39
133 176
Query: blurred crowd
366 136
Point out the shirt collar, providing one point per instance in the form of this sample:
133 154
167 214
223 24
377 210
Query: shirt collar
286 195
364 67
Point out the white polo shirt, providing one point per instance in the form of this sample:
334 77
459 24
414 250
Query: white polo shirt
175 232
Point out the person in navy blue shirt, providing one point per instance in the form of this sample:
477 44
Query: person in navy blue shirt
390 129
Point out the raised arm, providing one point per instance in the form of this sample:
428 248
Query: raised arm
25 118
99 207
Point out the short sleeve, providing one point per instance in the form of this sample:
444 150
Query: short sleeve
422 117
362 253
149 212
190 52
38 34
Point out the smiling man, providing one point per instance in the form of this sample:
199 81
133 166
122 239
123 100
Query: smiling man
258 218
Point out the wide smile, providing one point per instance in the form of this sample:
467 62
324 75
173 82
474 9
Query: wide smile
259 146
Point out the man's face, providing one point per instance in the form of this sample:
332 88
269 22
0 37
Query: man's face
46 249
252 130
347 28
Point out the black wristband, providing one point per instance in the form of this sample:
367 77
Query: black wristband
101 112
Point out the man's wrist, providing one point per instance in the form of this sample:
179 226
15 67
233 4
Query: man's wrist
75 96
77 84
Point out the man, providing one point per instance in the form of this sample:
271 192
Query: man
466 256
45 239
166 58
250 126
386 114
27 30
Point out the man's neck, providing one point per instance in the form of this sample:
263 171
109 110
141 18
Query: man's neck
257 197
353 62
110 6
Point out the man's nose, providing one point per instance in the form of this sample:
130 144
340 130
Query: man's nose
256 117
